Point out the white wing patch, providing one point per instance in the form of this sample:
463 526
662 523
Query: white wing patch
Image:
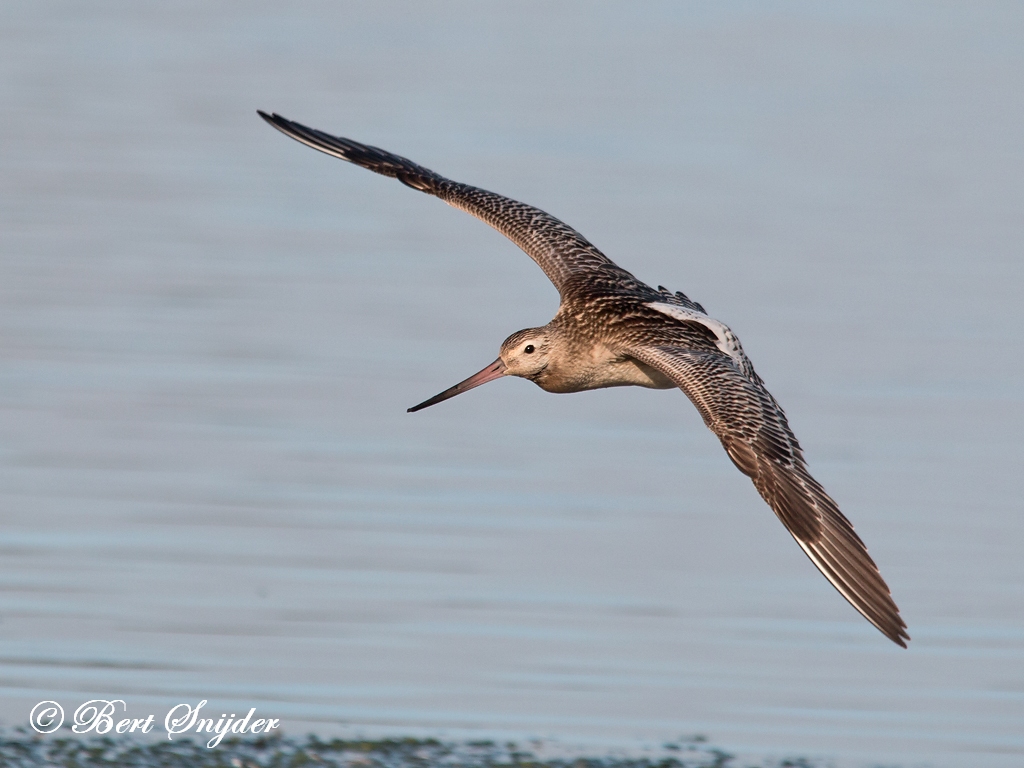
725 339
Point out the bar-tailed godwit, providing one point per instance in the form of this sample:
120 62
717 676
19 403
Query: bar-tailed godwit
612 330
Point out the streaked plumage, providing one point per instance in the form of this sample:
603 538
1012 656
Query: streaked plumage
613 330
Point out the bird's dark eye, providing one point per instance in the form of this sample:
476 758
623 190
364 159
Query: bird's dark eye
528 349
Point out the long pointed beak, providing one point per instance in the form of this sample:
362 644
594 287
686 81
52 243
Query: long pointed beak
493 371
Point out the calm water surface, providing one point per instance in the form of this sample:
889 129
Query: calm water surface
209 336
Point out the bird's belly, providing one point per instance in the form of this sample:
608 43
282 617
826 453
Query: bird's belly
631 373
620 373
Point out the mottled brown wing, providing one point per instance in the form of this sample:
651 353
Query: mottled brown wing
754 431
558 249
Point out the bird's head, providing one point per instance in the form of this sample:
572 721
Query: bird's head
524 353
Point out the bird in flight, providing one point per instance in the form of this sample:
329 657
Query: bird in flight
612 330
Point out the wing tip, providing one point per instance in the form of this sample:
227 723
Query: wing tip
274 119
899 636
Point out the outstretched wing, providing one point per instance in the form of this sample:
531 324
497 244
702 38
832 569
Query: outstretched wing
558 249
753 429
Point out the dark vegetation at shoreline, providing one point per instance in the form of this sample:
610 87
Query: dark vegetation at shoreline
23 749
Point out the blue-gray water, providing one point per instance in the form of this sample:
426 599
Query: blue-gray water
209 336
